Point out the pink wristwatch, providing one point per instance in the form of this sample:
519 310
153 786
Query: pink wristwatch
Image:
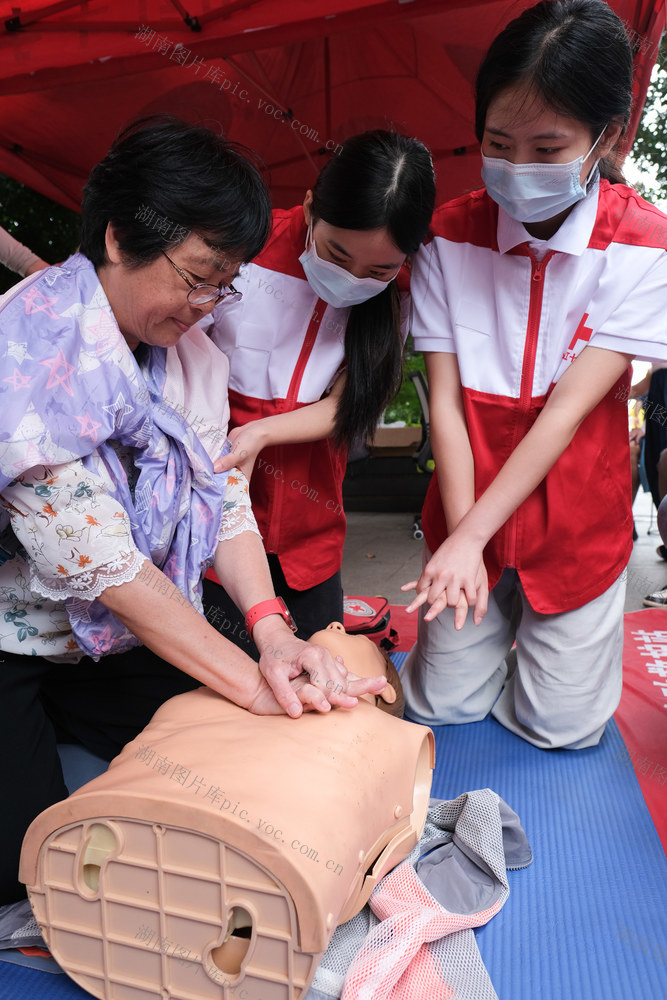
275 606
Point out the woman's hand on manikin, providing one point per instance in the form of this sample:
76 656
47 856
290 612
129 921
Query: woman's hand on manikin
304 676
455 576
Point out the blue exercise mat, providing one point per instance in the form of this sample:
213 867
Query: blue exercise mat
588 919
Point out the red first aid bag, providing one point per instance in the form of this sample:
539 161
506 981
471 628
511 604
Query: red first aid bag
370 616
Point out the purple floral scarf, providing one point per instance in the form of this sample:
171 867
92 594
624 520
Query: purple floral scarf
69 386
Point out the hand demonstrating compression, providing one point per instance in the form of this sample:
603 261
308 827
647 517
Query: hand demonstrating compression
325 682
264 701
455 577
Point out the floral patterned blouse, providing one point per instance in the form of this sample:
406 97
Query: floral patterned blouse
75 539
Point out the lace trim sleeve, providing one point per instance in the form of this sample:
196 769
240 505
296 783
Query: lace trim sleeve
91 583
77 538
237 515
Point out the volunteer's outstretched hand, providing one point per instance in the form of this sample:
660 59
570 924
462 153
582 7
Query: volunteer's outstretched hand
455 577
247 442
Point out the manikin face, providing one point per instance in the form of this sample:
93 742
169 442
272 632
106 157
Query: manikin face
361 656
363 253
150 303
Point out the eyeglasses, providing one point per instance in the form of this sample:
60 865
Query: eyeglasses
202 293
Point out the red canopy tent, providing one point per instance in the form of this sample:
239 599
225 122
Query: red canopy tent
289 79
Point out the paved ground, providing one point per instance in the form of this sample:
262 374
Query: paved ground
381 554
646 570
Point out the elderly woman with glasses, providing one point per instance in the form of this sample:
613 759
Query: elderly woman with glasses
111 510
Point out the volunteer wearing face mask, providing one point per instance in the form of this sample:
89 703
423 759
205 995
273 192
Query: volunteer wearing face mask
531 299
315 348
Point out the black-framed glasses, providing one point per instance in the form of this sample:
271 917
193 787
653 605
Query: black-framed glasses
202 293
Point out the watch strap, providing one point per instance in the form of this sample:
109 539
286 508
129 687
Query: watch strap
274 606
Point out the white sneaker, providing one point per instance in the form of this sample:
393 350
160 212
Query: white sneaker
658 599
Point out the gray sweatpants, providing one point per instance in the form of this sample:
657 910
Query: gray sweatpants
568 675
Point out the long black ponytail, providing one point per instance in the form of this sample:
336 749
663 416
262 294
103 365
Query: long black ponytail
379 179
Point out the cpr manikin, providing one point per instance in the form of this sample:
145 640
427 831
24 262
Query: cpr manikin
218 853
369 661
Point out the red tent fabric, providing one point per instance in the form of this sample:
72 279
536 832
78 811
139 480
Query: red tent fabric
289 79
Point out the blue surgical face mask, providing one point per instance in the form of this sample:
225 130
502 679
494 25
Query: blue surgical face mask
534 192
333 283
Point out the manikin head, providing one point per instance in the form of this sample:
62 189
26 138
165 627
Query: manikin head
364 658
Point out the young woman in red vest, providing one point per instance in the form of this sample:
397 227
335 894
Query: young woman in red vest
530 299
315 348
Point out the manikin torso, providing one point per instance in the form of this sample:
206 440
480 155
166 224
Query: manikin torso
242 840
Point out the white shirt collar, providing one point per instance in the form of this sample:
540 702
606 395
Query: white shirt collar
573 236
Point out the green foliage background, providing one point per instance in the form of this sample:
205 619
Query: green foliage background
650 146
405 405
50 230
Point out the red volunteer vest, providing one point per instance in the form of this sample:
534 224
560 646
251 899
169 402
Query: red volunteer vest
296 489
572 537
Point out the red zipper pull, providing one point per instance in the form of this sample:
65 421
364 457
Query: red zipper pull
538 266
